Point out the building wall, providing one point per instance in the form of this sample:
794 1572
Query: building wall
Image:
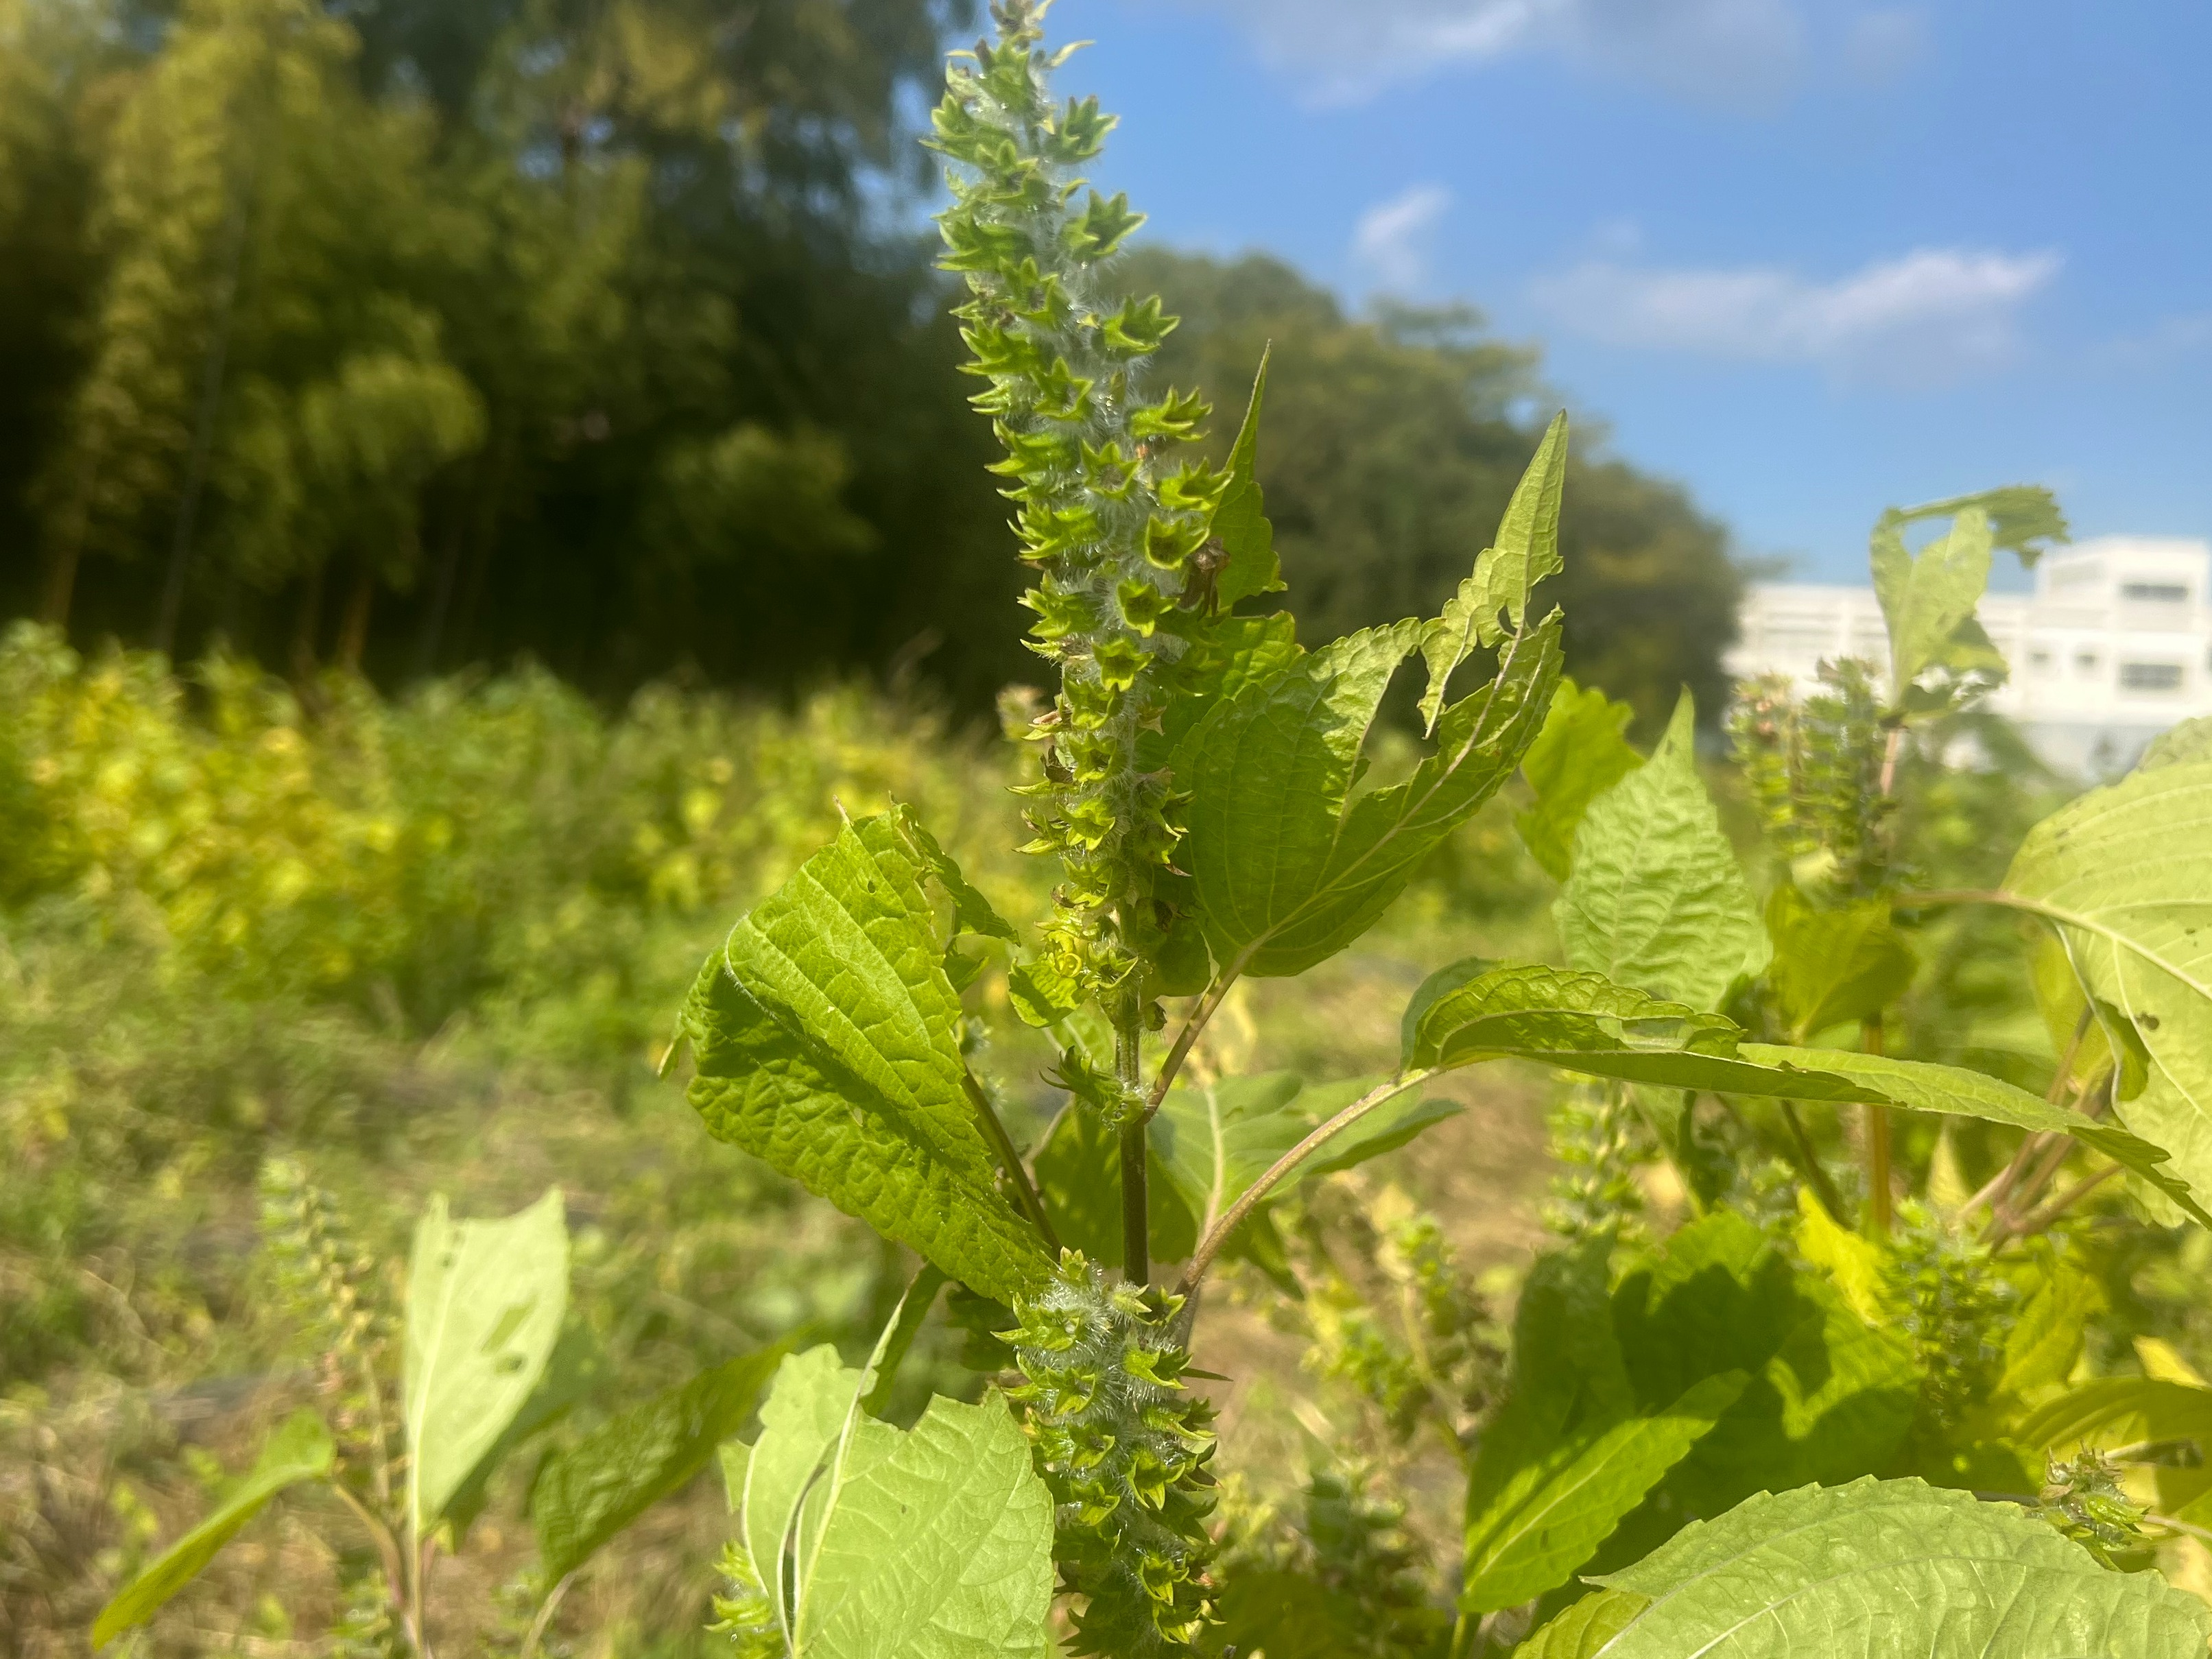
2113 646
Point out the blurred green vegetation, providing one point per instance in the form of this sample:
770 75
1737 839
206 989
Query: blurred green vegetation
410 335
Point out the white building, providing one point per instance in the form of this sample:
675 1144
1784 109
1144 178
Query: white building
2113 646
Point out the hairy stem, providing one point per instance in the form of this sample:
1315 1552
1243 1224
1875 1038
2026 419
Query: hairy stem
1218 1233
1186 1038
1010 1160
1136 1210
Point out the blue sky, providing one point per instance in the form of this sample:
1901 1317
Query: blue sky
1809 257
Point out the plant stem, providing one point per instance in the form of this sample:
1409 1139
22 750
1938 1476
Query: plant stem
1877 1144
1809 1162
1136 1210
1010 1160
387 1548
1218 1233
1193 1028
545 1611
2006 1228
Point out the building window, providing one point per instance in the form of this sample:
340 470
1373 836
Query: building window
2158 593
2150 676
2085 662
2040 660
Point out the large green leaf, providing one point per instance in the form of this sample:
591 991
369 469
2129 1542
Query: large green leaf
2119 1410
1291 861
592 1491
1656 899
1833 965
1216 1140
1829 1397
828 1039
931 1544
2128 870
1494 600
1582 1022
1887 1569
301 1450
484 1307
1577 756
1552 1514
1585 1629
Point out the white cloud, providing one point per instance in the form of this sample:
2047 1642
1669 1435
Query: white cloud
1932 315
1731 51
1391 240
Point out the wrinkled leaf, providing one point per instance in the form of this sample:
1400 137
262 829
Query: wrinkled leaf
828 1039
593 1490
1578 756
1656 899
1585 1629
301 1450
1505 573
1551 1517
1883 1569
484 1306
1833 965
2131 864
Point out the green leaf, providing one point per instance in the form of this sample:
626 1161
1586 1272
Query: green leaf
1583 1631
2183 745
1214 1142
301 1450
484 1306
933 1544
1578 756
1526 550
592 1491
1928 599
577 1365
2119 1410
1551 1517
1883 1568
1248 540
1834 965
1582 1022
2129 869
1291 865
828 1039
1829 1397
971 911
1656 899
2045 1343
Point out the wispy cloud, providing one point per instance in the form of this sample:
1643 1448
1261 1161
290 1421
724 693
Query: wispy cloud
1933 315
1732 51
1391 241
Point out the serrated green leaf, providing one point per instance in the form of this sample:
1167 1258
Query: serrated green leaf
828 1039
1551 1517
1656 899
1290 865
484 1306
1585 1629
1928 599
1578 756
932 1544
1833 965
301 1450
1526 550
1248 540
1885 1568
971 911
1852 1264
2131 864
1830 1398
593 1490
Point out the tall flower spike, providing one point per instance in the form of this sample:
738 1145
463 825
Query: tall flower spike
1124 1447
1108 518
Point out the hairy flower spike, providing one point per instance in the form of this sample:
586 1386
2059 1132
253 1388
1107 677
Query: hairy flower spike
1106 517
1124 1447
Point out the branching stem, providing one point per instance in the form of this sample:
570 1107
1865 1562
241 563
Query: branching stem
1218 1233
1186 1038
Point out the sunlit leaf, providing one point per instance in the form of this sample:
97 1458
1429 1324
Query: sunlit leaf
1578 756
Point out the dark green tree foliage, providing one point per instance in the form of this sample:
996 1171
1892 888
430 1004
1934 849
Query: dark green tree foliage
1393 444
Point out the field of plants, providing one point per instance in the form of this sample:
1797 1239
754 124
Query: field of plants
1419 1175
